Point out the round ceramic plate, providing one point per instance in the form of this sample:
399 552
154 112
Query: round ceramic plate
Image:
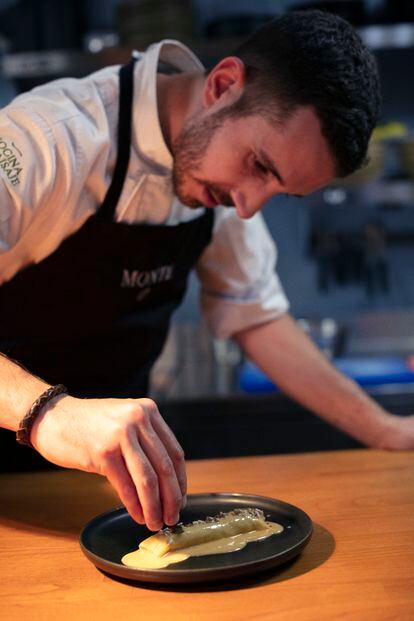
107 537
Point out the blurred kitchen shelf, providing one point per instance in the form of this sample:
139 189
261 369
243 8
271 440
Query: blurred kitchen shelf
384 193
388 36
56 63
51 63
390 192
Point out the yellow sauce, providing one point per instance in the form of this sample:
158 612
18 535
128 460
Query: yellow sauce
144 559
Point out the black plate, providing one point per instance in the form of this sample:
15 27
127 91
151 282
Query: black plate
107 537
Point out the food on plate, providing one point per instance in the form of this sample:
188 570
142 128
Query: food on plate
201 531
226 532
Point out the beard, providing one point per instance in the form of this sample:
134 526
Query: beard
189 150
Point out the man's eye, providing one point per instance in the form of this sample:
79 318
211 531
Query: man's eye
260 167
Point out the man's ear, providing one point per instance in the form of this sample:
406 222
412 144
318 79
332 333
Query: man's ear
225 82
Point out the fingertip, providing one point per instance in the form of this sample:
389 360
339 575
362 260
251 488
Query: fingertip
136 513
138 517
154 521
155 527
172 521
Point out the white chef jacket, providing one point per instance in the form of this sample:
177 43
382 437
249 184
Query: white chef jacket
57 156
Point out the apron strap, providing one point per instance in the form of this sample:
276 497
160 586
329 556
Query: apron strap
126 91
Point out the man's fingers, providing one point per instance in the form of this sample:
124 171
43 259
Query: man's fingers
145 478
159 457
170 443
174 450
117 474
143 461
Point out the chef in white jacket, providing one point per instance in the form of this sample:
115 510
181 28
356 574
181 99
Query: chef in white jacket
113 188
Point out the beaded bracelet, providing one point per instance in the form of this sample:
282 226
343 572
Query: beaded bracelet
26 424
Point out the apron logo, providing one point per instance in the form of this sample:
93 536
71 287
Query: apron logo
144 280
10 162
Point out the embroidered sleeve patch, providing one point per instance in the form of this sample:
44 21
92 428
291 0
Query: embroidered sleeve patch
10 161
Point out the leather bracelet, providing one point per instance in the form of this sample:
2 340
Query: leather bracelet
26 424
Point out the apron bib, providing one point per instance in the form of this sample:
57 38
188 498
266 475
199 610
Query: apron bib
95 314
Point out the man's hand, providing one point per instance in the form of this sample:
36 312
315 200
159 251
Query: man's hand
125 440
399 435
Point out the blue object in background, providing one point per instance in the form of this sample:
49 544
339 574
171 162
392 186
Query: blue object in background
365 371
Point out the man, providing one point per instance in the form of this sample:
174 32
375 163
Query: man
102 219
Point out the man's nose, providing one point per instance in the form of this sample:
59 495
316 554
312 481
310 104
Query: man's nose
247 203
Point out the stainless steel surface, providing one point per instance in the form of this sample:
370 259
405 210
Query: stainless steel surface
194 365
382 333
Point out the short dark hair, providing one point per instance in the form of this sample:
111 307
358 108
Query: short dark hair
314 58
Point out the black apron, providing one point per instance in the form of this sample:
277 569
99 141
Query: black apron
94 315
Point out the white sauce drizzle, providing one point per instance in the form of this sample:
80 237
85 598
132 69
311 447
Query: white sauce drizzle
144 559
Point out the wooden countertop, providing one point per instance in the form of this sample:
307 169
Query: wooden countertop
358 565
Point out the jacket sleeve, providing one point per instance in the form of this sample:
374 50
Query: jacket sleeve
54 145
239 285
